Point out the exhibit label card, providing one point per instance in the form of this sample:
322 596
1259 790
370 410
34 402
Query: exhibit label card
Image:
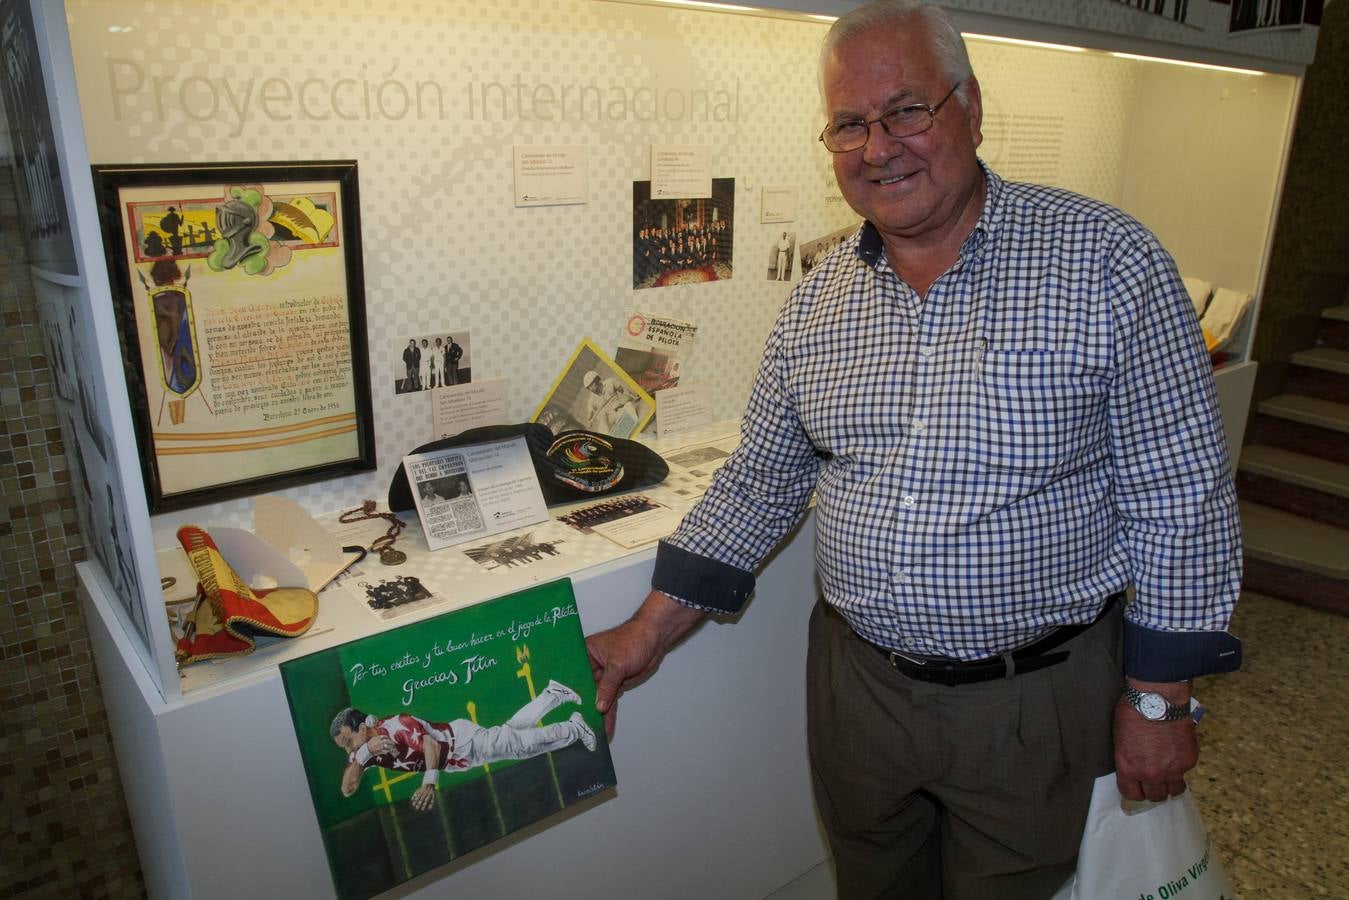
681 171
554 175
451 733
469 492
461 407
779 205
682 409
641 528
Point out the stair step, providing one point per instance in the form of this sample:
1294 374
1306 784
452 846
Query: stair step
1333 332
1330 359
1340 312
1296 468
1309 411
1281 538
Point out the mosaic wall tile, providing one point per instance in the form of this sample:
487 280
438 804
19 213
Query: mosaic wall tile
64 830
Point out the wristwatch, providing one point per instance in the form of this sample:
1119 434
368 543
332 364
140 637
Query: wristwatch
1154 707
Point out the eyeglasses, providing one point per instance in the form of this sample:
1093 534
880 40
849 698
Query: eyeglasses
900 122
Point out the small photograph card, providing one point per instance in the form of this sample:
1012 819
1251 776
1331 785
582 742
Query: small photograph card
469 492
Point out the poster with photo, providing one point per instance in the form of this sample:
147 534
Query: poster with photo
653 349
426 742
682 241
433 360
593 393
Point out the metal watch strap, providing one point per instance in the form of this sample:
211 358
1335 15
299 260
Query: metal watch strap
1174 712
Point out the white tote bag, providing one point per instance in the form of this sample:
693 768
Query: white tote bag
1145 851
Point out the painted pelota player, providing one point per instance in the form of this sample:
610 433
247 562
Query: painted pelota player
407 743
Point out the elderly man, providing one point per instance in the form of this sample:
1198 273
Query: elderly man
999 395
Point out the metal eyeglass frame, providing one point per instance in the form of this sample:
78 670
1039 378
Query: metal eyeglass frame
897 111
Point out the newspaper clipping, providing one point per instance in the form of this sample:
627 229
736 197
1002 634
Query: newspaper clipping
653 349
472 491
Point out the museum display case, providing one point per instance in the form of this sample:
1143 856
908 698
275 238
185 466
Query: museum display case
1182 122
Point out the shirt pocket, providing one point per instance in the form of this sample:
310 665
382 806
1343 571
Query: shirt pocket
1033 410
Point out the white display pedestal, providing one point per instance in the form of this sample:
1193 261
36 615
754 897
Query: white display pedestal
1235 384
713 796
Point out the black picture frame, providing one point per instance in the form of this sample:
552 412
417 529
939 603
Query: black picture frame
277 337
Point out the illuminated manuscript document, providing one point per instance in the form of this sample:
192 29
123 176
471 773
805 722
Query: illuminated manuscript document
244 307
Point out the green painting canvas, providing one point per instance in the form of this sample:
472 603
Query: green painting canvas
427 742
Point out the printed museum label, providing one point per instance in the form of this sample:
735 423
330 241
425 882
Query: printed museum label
475 490
550 176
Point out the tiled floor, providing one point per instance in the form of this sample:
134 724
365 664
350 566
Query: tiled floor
1273 774
1273 777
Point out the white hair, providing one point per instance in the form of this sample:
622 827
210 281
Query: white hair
942 36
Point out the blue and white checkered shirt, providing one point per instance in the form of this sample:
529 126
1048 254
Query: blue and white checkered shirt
995 459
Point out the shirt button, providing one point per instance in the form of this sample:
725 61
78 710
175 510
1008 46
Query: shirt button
902 578
909 502
918 426
926 351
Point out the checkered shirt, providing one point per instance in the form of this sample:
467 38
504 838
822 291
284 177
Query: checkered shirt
992 460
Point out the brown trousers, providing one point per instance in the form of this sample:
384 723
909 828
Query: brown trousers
959 793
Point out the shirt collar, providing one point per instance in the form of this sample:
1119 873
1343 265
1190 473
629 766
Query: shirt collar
869 247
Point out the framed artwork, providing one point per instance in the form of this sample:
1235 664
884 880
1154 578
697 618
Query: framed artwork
424 743
240 305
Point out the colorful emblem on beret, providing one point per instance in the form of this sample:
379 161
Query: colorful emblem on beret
585 461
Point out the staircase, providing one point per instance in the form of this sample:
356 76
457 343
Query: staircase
1293 478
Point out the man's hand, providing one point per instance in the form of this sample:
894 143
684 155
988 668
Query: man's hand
423 797
1151 758
379 744
351 779
628 653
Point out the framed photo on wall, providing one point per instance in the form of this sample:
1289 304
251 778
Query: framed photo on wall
240 303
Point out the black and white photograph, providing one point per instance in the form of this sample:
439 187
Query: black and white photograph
57 346
514 551
32 145
390 598
814 252
594 394
698 456
450 487
1175 10
1252 15
682 241
587 517
781 253
426 361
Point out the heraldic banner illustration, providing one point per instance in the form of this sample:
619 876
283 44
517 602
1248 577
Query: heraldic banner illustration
424 743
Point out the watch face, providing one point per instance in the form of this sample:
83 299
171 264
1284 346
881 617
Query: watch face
1152 705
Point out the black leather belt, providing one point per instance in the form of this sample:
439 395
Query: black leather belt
1034 656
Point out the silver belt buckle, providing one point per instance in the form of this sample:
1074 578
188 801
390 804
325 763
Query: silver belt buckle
909 659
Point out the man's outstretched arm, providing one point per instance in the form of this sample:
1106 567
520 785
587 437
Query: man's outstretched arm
629 652
425 796
351 778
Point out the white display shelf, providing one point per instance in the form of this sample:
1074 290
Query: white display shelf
343 617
